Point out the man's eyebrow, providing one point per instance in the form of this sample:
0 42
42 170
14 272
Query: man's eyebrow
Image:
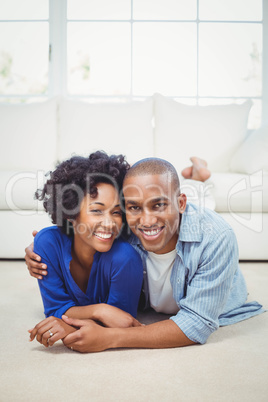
132 202
152 201
159 199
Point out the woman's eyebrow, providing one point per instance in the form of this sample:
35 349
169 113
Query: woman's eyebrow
103 205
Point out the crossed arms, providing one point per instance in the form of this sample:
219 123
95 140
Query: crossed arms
88 336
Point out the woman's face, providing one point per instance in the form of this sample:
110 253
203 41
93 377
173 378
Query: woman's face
100 219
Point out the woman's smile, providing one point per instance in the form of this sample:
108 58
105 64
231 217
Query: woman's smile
104 235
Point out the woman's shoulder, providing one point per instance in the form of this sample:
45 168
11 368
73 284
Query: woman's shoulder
50 232
51 237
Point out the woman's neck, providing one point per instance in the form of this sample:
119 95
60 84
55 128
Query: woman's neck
82 254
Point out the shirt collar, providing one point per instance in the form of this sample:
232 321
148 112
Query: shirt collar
190 227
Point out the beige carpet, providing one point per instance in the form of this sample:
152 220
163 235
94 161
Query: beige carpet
232 366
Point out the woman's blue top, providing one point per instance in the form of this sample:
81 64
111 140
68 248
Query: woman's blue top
115 278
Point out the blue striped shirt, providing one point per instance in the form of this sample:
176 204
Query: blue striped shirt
208 285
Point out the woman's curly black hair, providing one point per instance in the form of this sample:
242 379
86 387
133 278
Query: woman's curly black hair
73 179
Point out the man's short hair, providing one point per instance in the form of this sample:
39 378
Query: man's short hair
154 166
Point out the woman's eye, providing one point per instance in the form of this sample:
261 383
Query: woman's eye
96 211
119 213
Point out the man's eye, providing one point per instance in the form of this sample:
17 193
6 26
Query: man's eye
134 208
160 205
96 211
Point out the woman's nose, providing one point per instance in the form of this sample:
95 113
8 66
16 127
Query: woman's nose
108 222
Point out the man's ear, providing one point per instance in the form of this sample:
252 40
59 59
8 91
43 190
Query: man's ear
182 201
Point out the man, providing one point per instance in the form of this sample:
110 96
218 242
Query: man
191 271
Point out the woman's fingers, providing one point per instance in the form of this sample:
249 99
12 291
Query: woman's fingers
41 327
50 330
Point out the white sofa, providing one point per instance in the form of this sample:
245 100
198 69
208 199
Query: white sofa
35 136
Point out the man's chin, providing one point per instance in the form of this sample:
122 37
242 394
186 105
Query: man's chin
148 246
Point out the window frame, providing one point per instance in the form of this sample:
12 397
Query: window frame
57 53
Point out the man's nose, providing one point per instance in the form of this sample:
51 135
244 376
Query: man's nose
148 219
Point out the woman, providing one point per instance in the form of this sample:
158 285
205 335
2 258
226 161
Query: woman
92 272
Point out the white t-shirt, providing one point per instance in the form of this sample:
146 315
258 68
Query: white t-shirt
159 267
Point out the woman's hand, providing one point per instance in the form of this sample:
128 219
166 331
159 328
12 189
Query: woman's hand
50 330
113 317
36 269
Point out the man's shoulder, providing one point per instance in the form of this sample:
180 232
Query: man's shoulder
200 224
206 217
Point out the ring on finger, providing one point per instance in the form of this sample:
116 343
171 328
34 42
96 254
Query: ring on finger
50 333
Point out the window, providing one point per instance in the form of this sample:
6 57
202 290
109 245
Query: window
198 51
24 43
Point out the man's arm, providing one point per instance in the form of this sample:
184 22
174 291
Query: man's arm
93 338
36 268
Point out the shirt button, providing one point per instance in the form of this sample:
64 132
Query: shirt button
144 272
178 281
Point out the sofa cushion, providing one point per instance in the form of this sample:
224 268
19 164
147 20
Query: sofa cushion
252 155
235 192
28 136
115 128
211 132
17 189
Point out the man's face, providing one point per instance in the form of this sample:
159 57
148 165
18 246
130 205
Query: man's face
153 211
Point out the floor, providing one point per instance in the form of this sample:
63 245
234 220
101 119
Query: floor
231 366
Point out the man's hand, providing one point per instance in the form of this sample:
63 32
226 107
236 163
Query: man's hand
90 337
51 325
36 269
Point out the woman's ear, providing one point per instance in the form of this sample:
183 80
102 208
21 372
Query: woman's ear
182 201
71 223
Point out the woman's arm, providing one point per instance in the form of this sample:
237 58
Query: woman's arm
55 295
109 316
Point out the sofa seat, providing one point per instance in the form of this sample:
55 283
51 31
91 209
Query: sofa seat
35 136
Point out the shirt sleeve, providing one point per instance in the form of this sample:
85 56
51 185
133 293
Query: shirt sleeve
126 281
56 299
207 292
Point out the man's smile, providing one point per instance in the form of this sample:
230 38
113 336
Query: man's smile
151 234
